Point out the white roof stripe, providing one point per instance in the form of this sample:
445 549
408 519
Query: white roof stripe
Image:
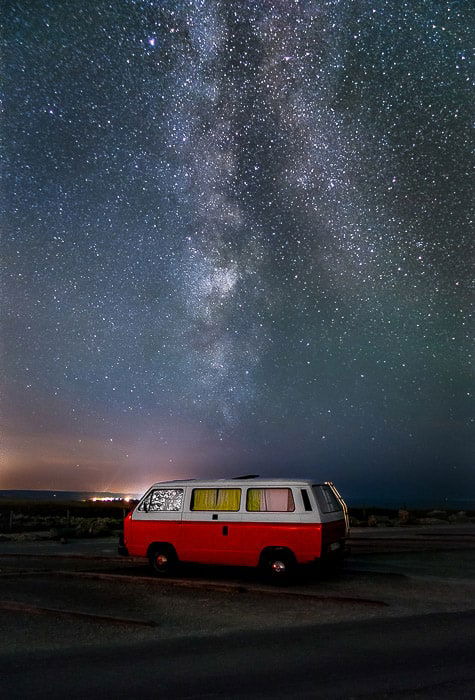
238 483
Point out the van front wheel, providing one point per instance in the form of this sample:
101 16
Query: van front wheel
163 560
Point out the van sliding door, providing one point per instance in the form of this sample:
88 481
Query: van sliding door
211 526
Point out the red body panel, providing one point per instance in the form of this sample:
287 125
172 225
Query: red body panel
139 534
235 543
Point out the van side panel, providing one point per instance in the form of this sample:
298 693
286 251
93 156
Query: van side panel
233 543
304 540
139 534
211 542
240 543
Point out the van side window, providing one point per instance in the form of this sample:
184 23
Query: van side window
326 499
274 500
163 500
216 499
306 500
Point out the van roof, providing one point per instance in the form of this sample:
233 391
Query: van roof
239 481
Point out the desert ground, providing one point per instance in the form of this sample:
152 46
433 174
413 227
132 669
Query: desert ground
397 622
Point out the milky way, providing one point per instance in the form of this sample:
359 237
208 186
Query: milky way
236 237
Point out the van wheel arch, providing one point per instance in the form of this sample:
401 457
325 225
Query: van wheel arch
162 557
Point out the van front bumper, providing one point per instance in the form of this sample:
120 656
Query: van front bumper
121 548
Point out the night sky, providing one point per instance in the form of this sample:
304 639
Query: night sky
236 238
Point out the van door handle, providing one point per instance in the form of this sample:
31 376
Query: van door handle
225 529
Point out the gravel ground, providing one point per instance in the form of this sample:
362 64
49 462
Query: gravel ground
187 613
76 610
48 575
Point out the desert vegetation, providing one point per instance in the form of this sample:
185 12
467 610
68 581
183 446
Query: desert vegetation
404 517
30 520
57 520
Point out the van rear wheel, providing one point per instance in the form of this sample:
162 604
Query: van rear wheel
278 566
163 560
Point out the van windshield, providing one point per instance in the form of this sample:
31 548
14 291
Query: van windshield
162 500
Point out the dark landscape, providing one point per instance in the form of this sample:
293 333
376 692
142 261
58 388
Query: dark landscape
70 515
396 622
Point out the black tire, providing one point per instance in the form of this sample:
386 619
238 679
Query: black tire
278 566
163 560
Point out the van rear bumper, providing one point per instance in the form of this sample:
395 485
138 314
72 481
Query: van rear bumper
334 550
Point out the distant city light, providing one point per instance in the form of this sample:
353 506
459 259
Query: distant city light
102 499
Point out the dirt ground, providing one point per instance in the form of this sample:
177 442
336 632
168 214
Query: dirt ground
396 622
81 593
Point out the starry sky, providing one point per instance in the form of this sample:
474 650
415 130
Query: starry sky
236 238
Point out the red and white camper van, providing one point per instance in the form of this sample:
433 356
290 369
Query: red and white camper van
272 523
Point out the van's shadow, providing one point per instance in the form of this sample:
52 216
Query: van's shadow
234 574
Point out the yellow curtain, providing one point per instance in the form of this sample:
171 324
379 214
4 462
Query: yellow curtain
204 499
254 498
216 499
228 499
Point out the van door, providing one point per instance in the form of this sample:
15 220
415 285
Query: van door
211 526
157 518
